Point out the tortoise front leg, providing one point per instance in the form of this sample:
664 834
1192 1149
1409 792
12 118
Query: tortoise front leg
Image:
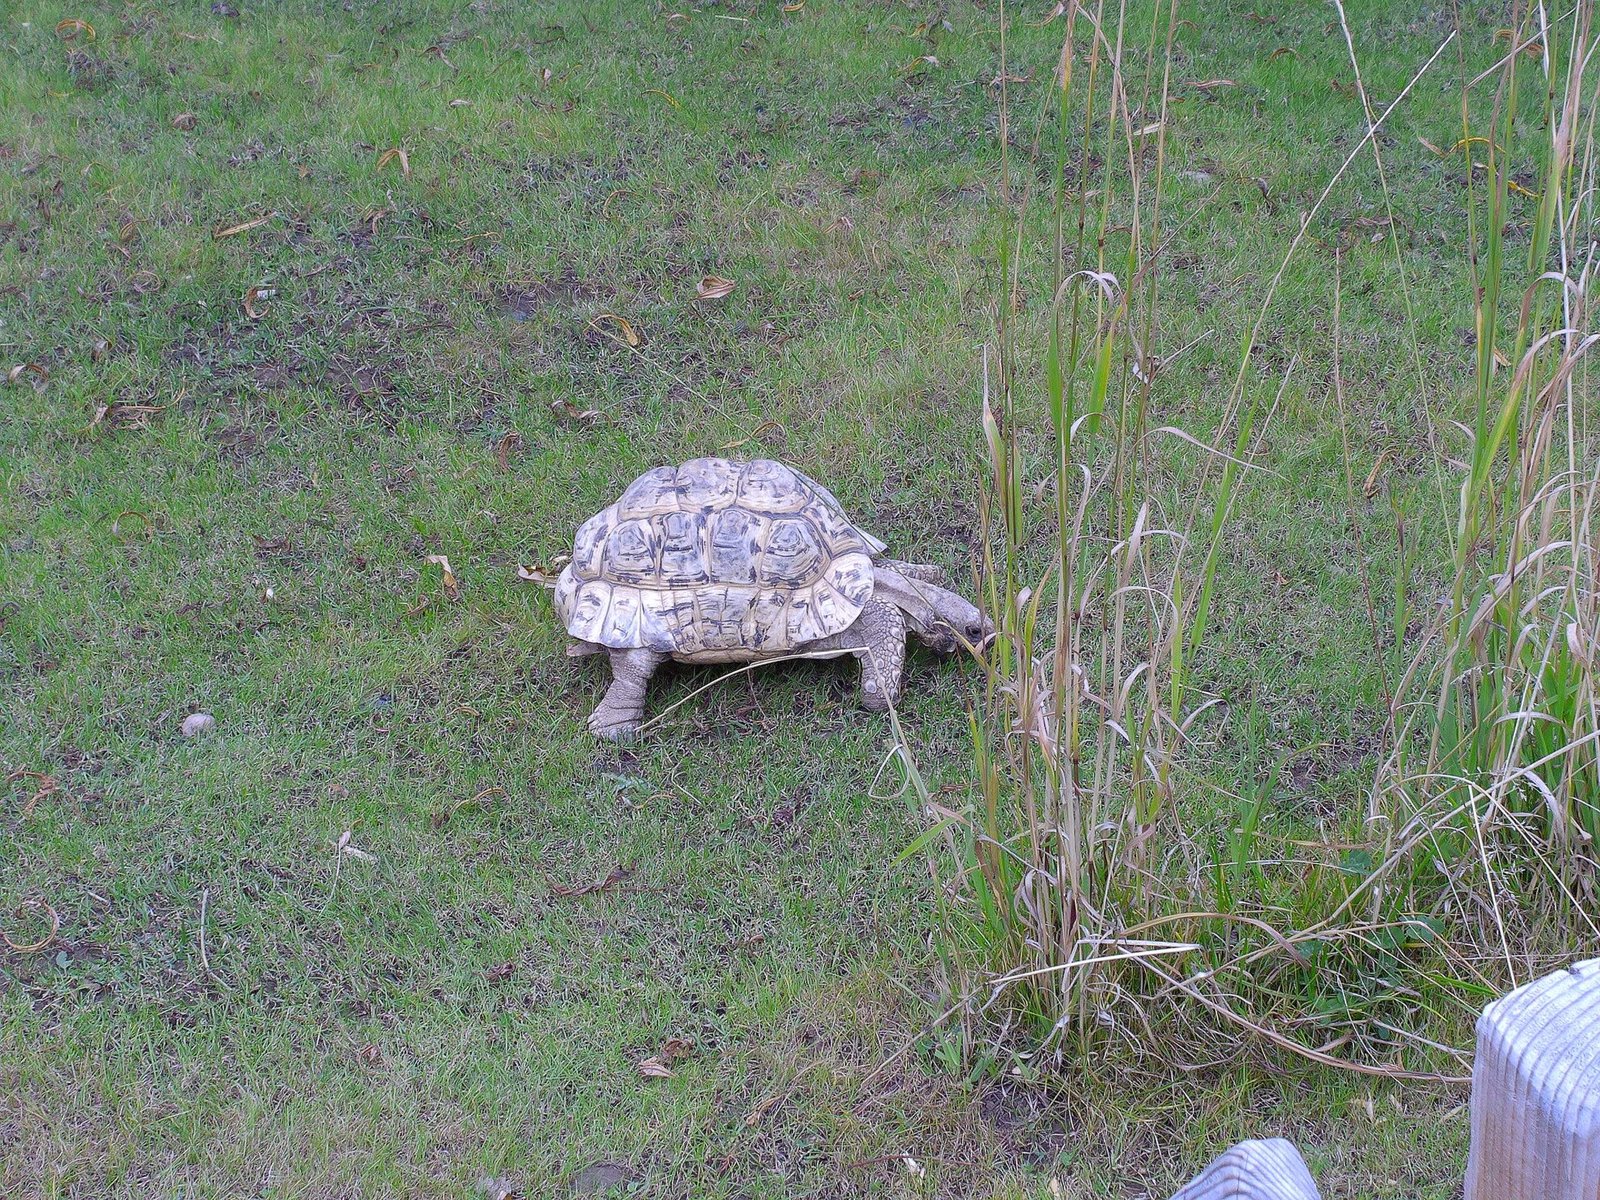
880 634
617 716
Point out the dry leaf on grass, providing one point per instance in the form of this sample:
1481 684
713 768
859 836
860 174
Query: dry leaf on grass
23 370
71 28
617 875
1281 51
760 431
220 231
546 574
460 102
499 1189
254 301
45 785
508 444
369 1056
123 416
675 1048
442 818
665 95
396 154
184 121
654 1068
569 410
1209 85
629 336
34 947
452 586
345 846
922 63
714 287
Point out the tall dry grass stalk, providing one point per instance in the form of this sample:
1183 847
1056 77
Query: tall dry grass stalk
1070 900
1491 794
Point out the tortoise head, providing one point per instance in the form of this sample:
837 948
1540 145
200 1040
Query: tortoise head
941 619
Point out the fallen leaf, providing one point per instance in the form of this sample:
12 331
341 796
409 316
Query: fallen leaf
395 155
441 819
369 1055
184 120
569 410
665 95
123 416
1153 127
452 587
629 335
1281 51
70 28
760 430
459 102
618 874
1369 489
1207 85
544 576
45 785
654 1068
345 847
508 444
675 1048
714 287
1500 358
34 947
40 375
920 63
253 306
797 6
219 232
502 972
1431 146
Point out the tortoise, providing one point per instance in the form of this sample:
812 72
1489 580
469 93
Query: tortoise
718 561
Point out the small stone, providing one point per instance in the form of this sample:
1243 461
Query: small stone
197 723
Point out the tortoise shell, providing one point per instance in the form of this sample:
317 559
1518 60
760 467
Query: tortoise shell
717 556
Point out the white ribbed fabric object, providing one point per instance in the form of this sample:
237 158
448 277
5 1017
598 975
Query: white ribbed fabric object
1536 1092
1257 1170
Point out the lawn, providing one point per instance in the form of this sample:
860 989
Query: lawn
322 291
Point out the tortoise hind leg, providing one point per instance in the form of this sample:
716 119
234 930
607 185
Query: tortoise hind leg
881 636
619 713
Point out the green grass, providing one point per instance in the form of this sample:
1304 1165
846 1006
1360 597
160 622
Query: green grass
325 449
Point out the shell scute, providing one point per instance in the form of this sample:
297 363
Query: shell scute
794 554
632 552
682 539
736 536
707 484
771 487
651 494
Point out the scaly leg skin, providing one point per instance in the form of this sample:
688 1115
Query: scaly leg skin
881 629
617 716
